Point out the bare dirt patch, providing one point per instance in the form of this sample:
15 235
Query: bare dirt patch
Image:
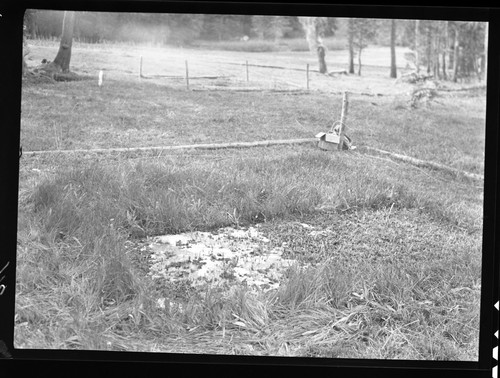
239 255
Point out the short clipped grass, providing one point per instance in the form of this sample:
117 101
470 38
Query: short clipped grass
143 113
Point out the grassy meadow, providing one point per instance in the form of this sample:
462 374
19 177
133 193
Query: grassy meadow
393 271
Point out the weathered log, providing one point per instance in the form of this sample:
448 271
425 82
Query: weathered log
207 146
426 164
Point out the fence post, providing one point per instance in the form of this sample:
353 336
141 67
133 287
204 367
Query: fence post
343 118
140 68
100 78
247 69
187 76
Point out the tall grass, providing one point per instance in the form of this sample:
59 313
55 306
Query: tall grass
162 198
75 226
382 310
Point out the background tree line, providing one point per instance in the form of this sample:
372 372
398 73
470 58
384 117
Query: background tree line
168 28
443 49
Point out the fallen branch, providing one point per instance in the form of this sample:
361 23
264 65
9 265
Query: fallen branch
426 164
337 72
70 76
53 72
413 78
208 146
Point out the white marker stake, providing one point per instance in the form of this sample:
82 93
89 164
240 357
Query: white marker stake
101 76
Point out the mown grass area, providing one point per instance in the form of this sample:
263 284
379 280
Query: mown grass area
134 113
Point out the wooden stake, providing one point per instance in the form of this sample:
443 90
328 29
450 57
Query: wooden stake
187 76
140 68
100 78
343 117
307 76
247 70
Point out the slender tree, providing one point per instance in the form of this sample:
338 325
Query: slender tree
63 56
437 31
394 73
364 31
25 51
456 51
485 56
417 45
428 47
351 44
445 49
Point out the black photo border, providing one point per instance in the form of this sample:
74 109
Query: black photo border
65 362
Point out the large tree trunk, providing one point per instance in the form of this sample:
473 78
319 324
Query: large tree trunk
351 45
64 54
314 40
394 73
321 60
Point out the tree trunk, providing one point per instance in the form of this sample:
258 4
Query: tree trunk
351 45
443 65
314 40
394 73
445 50
63 56
321 60
33 26
436 51
359 61
437 72
417 58
25 67
485 58
429 49
456 52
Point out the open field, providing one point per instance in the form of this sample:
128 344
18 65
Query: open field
387 255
